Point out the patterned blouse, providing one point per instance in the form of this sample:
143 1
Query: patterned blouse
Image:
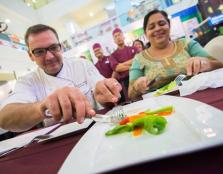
164 70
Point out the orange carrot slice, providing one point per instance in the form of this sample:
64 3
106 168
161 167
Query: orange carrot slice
137 131
124 121
133 118
164 113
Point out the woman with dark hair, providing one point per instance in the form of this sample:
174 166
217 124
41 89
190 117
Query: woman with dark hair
165 59
139 45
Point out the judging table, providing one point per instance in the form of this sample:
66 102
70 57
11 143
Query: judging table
49 157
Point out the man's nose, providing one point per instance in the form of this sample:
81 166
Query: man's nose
49 55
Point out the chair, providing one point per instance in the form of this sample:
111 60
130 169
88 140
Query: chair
215 47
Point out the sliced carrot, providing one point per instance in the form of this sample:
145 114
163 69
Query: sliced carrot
137 131
133 118
165 113
124 121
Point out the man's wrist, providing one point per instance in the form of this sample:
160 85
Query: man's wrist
42 109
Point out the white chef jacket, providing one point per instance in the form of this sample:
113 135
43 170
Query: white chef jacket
37 85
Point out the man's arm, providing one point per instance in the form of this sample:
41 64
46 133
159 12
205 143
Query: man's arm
19 117
123 66
65 103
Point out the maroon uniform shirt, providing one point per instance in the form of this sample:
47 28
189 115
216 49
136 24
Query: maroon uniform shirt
120 56
104 67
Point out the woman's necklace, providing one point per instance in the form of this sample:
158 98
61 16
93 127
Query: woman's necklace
155 53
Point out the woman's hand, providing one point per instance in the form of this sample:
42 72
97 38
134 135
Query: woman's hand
140 85
196 65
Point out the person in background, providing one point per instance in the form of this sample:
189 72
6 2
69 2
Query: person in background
139 45
66 88
165 59
121 60
103 64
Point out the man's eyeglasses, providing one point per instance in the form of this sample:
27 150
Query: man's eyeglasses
41 52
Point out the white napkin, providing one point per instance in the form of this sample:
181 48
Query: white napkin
212 79
22 140
69 128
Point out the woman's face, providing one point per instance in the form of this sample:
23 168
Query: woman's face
138 45
157 30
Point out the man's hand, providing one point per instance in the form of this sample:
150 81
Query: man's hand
68 103
107 91
196 65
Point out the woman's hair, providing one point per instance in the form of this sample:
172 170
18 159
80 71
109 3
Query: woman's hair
148 44
137 40
145 22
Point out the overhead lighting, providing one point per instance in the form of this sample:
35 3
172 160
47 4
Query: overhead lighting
70 27
28 4
91 14
7 21
110 6
34 1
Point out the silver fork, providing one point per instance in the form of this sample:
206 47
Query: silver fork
117 115
35 139
179 79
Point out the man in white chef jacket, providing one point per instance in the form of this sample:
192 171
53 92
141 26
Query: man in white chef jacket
66 88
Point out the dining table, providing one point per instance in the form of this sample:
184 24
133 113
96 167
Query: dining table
41 158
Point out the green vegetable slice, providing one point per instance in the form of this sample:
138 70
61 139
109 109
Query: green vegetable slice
165 89
152 124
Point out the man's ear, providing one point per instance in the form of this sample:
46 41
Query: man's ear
62 50
30 55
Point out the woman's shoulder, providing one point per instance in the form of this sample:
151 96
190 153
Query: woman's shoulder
182 41
141 56
186 42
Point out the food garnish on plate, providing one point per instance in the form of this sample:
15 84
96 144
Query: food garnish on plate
151 121
165 89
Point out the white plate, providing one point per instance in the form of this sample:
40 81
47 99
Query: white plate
193 126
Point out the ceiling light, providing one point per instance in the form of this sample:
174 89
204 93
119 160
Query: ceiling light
110 7
34 1
91 14
28 4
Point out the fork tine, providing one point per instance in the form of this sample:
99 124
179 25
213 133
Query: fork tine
119 113
179 78
115 116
